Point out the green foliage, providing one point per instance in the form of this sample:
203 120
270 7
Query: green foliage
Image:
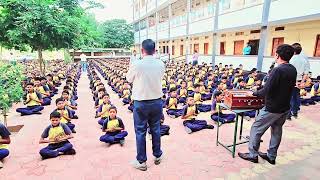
117 34
46 25
10 90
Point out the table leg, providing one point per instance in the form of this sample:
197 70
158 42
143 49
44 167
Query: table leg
235 137
241 125
218 126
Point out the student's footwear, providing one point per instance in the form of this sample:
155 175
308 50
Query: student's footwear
73 131
246 156
141 166
188 130
209 127
172 116
122 142
265 157
158 160
75 117
1 165
247 118
70 152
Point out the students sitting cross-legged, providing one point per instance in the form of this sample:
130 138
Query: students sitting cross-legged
33 101
198 101
190 123
43 90
215 115
57 135
114 128
103 110
64 113
315 91
172 104
4 141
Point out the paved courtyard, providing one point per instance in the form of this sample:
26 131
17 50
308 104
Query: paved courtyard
187 156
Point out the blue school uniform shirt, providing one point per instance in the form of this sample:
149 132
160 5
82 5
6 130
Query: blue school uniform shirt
4 133
247 50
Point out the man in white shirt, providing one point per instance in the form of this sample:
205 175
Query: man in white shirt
146 76
134 57
195 58
83 58
303 67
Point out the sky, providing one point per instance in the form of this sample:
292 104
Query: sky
114 9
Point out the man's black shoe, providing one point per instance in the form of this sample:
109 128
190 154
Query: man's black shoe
265 157
246 156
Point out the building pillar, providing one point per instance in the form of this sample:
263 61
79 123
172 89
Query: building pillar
215 32
157 22
147 19
263 33
139 30
169 32
188 29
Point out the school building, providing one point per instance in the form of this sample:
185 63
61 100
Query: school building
220 29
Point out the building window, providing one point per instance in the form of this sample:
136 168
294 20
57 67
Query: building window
172 50
239 33
223 35
279 28
206 48
254 31
275 43
317 49
225 4
222 48
238 47
163 49
181 50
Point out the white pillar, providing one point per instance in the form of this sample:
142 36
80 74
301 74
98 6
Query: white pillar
215 32
188 28
263 33
169 32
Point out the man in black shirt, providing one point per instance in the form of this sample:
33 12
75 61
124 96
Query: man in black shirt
277 92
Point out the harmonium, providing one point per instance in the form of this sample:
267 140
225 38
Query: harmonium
239 99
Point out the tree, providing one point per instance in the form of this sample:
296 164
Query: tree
10 91
43 25
117 34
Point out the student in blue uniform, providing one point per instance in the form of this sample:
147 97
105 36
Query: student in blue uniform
57 135
33 101
215 115
114 128
164 129
64 114
190 113
315 91
198 100
182 93
44 91
103 110
172 104
4 143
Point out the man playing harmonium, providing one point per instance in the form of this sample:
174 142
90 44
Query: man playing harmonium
277 93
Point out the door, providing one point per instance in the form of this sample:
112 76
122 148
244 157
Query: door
317 48
172 51
206 48
238 47
196 48
222 48
181 50
275 43
254 46
163 49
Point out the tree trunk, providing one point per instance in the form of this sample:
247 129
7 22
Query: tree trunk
73 54
40 59
4 112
